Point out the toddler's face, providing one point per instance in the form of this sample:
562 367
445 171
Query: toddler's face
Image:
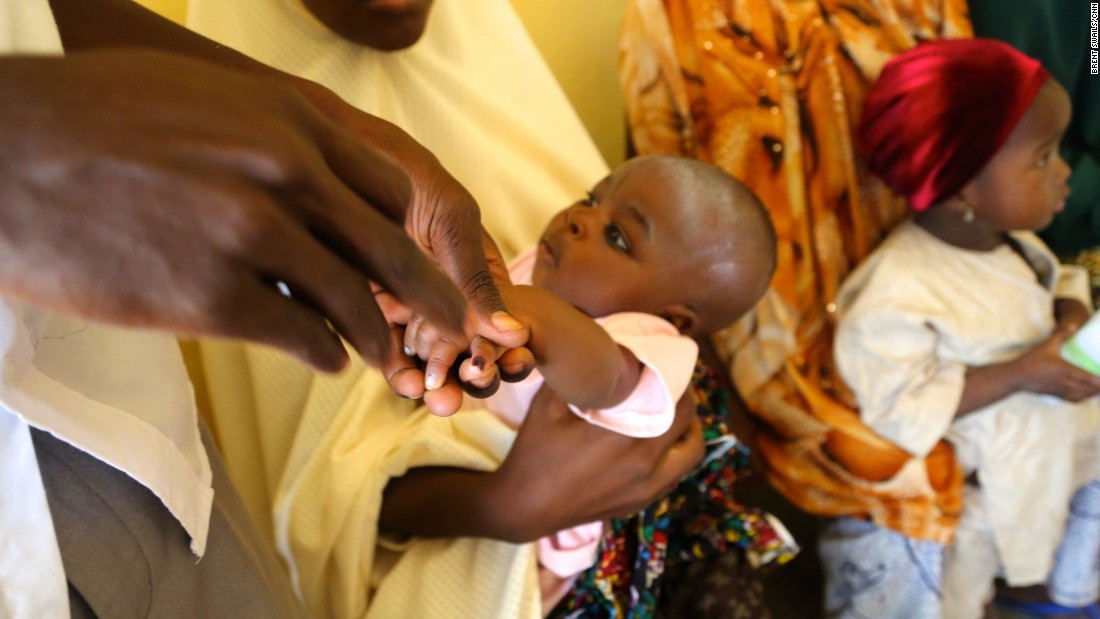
1024 185
629 246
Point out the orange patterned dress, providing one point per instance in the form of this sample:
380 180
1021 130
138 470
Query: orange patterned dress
770 90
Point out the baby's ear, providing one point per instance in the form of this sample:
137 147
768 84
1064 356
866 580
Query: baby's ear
682 317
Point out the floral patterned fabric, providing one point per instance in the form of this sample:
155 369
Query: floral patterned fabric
697 524
769 90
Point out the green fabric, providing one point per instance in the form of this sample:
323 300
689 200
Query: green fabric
1056 32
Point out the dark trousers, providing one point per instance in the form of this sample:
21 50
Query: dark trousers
126 556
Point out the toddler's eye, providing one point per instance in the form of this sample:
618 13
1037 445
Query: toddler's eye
589 199
1044 160
617 239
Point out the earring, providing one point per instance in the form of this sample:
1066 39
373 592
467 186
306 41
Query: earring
968 214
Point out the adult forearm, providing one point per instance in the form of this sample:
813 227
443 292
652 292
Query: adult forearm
93 24
447 502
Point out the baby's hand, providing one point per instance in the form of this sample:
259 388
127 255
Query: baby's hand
450 369
1043 370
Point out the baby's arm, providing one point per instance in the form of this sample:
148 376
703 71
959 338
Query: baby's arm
578 358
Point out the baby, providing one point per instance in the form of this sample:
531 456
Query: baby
663 250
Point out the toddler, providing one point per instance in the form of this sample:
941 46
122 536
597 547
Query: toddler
663 250
952 327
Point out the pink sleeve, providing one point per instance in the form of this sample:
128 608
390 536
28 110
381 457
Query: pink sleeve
570 552
669 360
522 267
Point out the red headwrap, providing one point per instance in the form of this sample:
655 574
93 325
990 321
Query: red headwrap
939 112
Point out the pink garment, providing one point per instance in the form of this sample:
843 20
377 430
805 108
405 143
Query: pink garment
669 360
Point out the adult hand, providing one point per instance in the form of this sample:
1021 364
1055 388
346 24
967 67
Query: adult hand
445 222
563 471
443 218
146 189
478 371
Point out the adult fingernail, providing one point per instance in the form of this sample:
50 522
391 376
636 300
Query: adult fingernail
504 322
432 382
409 351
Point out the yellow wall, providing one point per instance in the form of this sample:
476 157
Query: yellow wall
174 9
578 38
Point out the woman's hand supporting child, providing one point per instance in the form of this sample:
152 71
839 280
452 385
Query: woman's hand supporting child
506 505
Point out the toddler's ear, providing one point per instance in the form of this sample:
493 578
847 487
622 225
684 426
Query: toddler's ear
682 317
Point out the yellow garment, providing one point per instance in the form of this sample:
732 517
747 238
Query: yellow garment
770 91
327 518
475 91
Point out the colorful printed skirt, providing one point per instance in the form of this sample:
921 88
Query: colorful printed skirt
697 522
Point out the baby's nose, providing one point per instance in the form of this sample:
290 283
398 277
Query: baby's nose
577 223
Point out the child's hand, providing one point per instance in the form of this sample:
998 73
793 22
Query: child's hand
404 373
1042 370
446 369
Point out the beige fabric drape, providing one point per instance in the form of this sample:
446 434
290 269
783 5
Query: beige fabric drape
770 91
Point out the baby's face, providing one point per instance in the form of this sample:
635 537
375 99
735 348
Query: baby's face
632 245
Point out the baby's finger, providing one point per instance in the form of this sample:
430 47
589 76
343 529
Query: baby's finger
480 378
441 356
413 346
483 352
396 312
483 392
516 364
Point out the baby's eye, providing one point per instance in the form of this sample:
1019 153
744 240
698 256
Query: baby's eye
1044 160
617 239
589 199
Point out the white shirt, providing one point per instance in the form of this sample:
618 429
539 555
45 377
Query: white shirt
120 395
913 318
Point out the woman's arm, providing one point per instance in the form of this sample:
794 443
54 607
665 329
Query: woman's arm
561 472
441 216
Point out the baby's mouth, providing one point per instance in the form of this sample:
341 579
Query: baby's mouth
547 254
